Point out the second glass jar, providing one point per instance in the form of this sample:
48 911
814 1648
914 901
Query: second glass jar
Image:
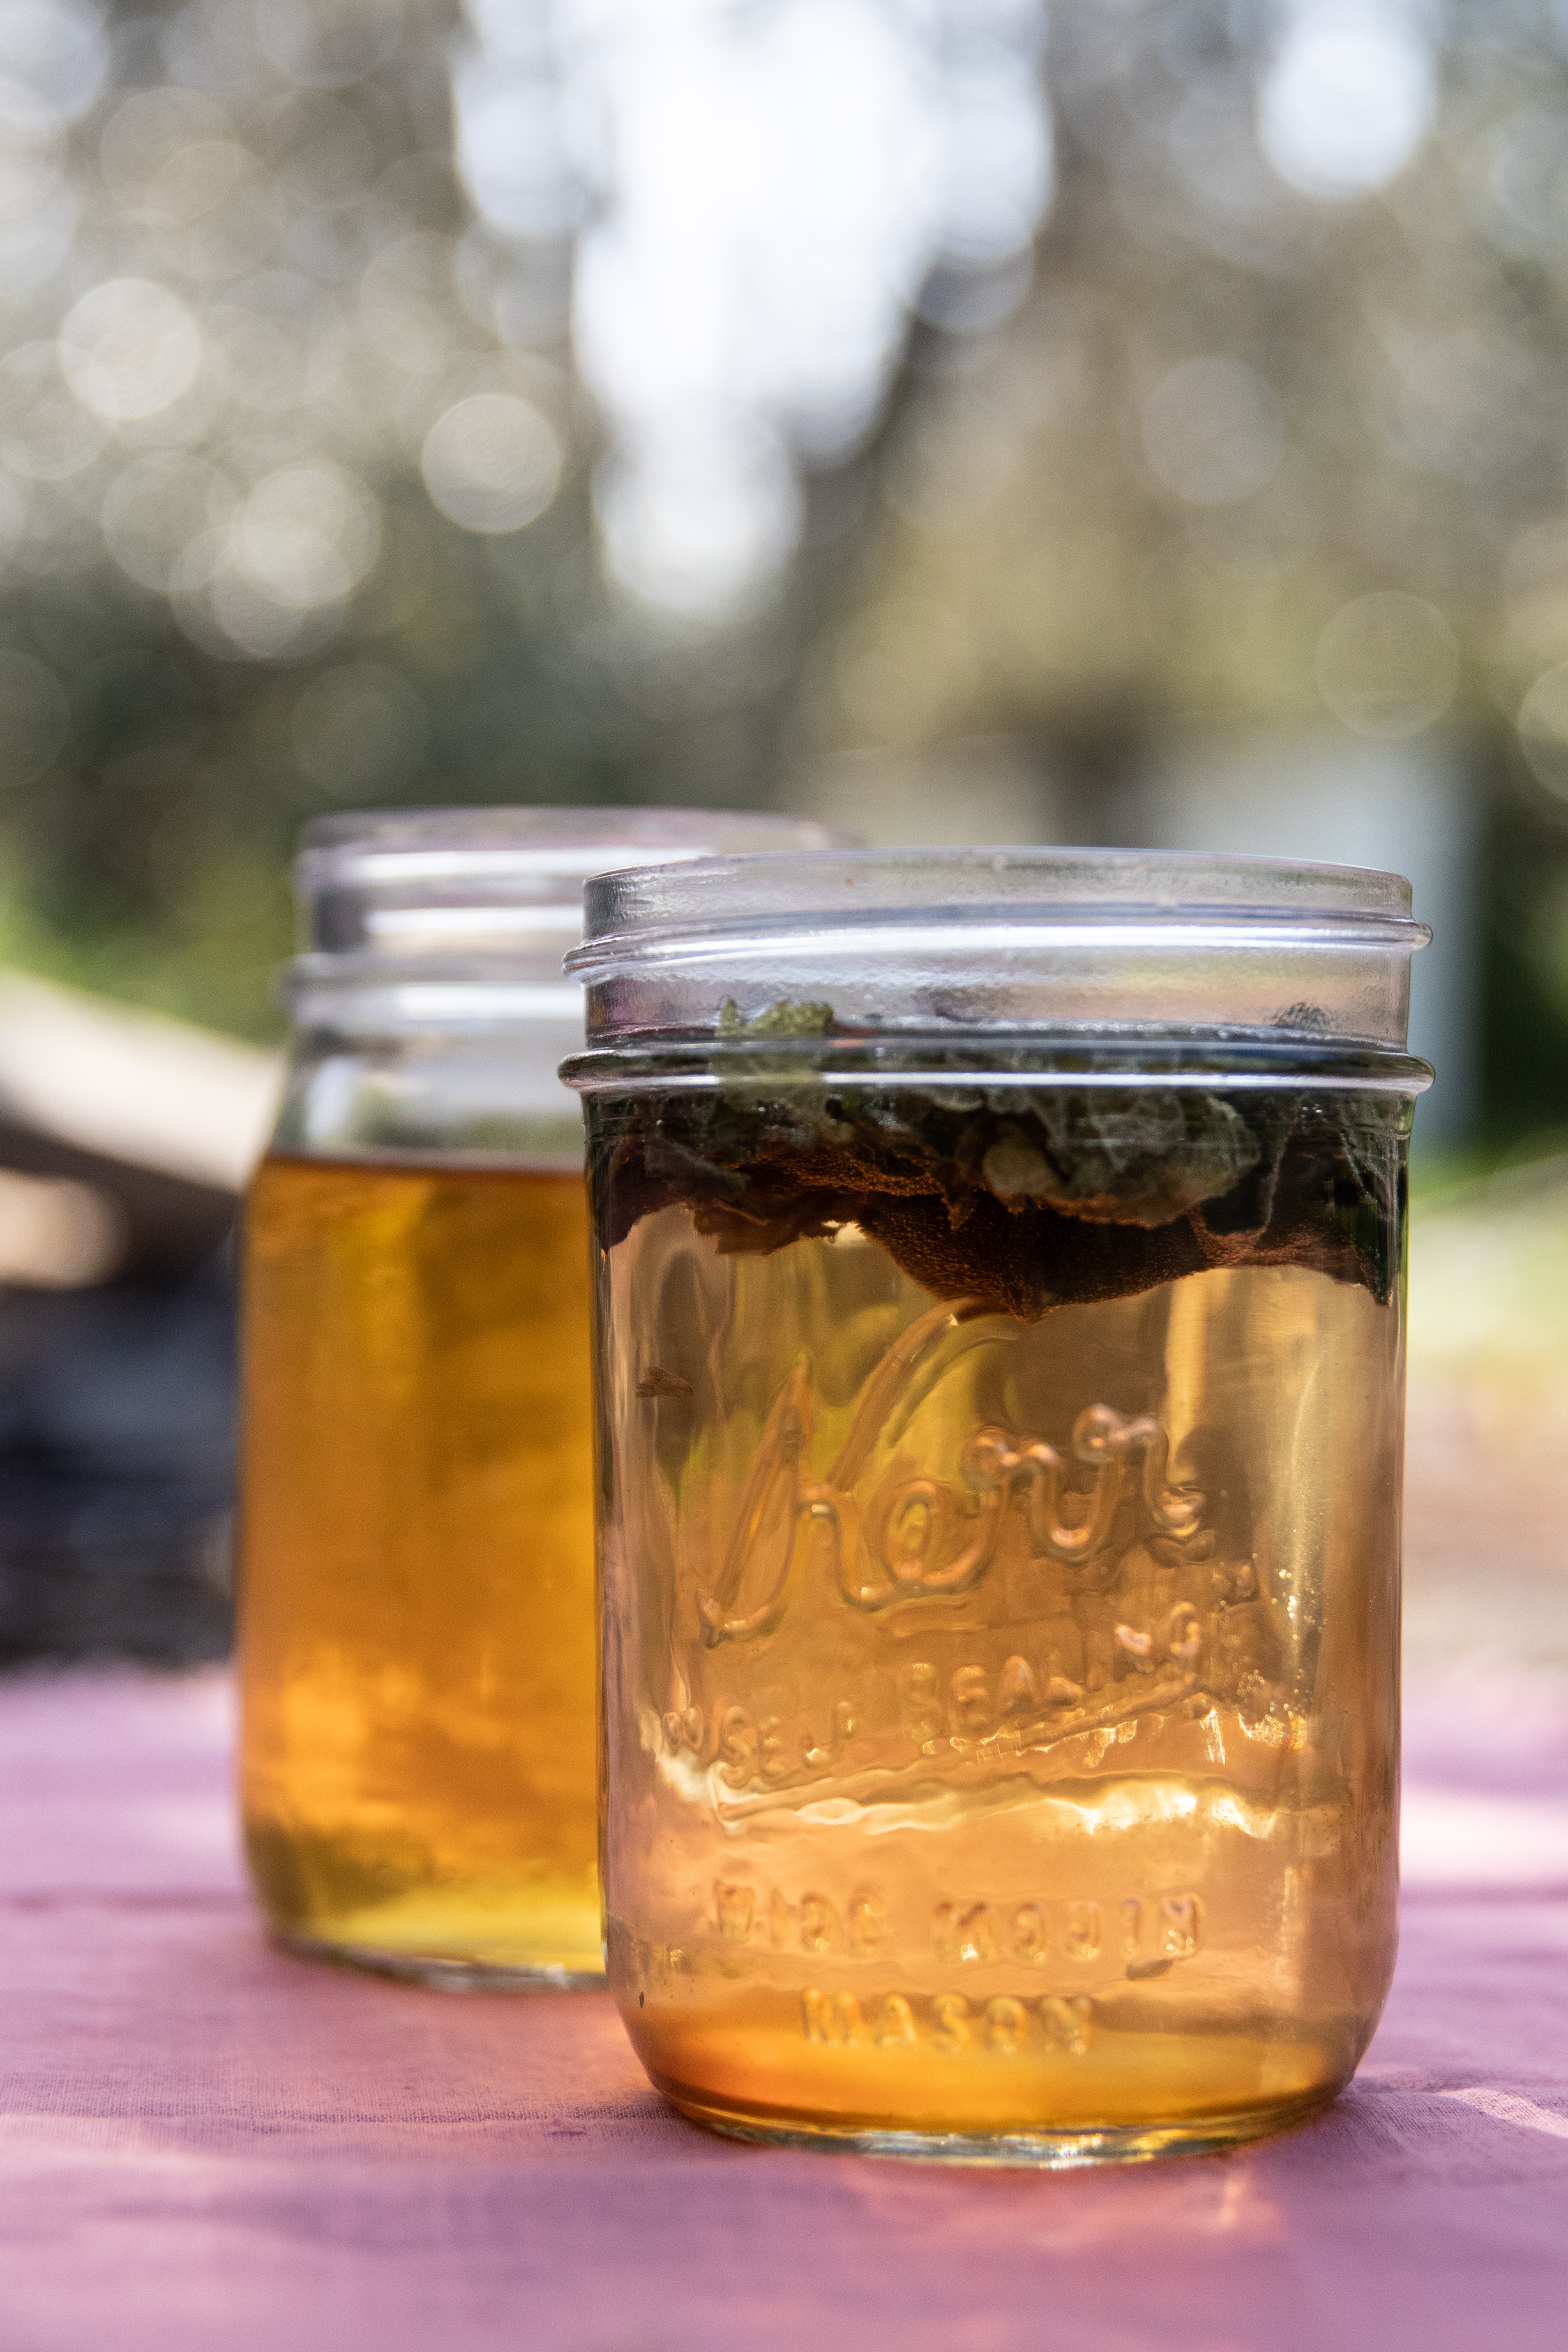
416 1627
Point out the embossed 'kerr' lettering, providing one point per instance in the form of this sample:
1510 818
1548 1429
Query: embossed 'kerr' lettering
920 1538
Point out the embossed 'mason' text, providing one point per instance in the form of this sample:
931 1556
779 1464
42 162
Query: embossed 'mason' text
948 2023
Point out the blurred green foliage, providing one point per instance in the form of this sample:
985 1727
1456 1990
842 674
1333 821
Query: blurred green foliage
298 466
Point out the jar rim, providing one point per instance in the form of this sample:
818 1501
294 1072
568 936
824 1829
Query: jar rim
395 883
558 843
644 913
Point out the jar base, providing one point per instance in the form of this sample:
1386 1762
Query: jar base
442 1973
1042 2151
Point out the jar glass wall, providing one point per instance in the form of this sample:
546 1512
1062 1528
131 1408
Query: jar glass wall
1000 1372
418 1750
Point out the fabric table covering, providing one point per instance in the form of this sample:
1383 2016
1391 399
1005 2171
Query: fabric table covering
208 2143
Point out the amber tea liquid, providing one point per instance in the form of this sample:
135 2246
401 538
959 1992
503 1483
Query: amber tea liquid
1001 1715
416 1621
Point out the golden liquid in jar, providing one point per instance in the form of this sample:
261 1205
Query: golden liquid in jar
1002 1719
416 1646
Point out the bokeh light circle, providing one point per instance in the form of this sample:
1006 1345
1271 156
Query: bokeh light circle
1387 664
1213 431
153 509
52 58
1348 99
699 522
491 463
326 48
307 535
129 349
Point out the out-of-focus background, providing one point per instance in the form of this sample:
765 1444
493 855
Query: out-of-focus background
1128 420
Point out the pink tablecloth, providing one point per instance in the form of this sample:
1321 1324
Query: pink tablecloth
205 2145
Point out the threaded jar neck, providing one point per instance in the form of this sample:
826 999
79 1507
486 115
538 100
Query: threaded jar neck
1113 944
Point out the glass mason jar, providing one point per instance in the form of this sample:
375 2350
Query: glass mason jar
415 1640
1000 1264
